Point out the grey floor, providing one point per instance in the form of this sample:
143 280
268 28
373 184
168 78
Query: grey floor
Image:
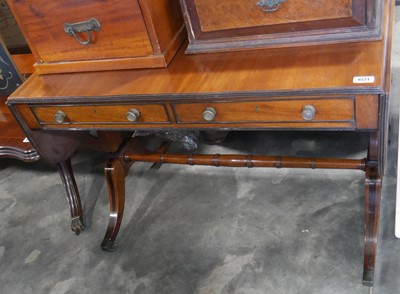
201 229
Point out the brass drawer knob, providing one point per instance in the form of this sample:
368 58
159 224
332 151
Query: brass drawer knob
133 114
308 112
209 114
60 116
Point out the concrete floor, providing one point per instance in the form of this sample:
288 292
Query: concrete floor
204 230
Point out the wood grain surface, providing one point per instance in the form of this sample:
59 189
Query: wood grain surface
315 67
232 14
133 33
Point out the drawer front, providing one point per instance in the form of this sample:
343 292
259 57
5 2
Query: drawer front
101 115
302 111
122 30
232 14
228 25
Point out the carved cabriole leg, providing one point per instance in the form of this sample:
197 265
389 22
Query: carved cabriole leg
372 204
74 200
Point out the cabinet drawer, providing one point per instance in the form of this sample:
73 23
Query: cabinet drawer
121 33
229 24
92 115
273 111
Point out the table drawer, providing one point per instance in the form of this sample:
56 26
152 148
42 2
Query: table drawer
100 115
273 111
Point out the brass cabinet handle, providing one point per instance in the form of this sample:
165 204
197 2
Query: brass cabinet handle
308 112
209 114
60 116
82 27
133 114
269 5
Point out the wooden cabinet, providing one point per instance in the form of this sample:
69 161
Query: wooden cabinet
233 25
69 36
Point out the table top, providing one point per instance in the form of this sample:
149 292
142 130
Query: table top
329 67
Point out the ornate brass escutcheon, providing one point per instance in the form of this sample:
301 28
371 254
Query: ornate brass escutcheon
82 27
270 5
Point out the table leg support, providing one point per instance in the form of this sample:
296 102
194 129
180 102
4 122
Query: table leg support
372 204
115 172
117 169
74 200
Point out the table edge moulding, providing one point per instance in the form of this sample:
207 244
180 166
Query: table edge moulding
329 87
